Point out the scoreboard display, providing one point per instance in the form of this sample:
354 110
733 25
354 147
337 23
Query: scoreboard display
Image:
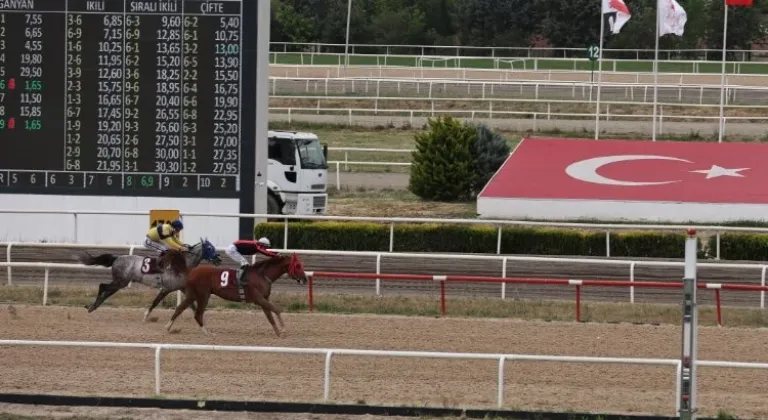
126 97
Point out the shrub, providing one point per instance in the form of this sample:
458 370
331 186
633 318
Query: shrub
490 151
443 165
418 237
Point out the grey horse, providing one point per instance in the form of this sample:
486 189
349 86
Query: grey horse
135 268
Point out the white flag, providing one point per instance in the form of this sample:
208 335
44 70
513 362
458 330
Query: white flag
616 14
672 18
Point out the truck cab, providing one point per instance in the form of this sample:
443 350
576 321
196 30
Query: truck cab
297 175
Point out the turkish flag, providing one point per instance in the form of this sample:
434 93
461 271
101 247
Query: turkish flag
616 15
628 170
739 3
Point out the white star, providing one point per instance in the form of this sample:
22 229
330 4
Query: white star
716 171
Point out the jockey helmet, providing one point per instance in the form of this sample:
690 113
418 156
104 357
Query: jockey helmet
264 241
176 224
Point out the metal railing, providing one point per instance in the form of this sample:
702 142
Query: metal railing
631 265
431 102
636 124
499 224
330 353
518 52
511 63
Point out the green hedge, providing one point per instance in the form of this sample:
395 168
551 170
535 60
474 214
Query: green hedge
514 240
741 246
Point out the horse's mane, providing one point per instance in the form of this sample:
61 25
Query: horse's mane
176 260
269 261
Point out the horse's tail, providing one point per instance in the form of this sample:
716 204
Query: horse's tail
104 260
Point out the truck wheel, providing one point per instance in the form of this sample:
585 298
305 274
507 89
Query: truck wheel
273 206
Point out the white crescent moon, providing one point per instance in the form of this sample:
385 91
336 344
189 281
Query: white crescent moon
586 170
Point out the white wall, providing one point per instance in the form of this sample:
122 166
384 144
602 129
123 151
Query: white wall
101 229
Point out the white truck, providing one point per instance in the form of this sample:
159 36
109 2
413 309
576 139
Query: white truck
298 174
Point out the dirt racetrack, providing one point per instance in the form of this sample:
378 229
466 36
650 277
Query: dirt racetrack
546 385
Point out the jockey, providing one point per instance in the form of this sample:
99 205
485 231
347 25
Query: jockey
165 236
237 249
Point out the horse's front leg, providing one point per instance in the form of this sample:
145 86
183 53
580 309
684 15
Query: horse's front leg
159 298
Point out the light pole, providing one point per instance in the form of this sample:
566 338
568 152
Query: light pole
346 44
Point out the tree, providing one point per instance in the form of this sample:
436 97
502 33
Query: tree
489 152
745 26
442 166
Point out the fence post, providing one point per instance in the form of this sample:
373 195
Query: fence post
157 369
378 271
327 376
501 382
285 233
498 241
391 237
717 247
338 177
607 243
762 283
311 292
75 214
504 275
578 303
632 280
679 374
718 309
10 270
45 286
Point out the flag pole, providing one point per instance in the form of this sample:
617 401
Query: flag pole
656 71
722 78
599 71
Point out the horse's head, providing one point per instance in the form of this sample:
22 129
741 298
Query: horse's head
209 252
174 259
204 250
295 268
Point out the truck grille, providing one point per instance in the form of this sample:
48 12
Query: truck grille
318 201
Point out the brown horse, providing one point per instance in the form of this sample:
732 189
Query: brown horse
203 281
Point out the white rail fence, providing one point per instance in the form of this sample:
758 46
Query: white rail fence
516 52
329 354
521 120
438 103
501 63
459 89
363 72
631 265
608 228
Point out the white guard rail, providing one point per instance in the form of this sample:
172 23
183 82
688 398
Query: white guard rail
543 53
391 221
497 63
425 86
329 353
631 265
430 102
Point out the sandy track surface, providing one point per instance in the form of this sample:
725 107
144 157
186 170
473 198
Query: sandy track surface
551 386
99 413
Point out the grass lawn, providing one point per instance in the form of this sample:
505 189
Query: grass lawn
394 203
665 66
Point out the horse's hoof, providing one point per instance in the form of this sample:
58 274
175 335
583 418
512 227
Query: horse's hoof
168 325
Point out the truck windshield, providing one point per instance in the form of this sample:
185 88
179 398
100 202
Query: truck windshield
311 154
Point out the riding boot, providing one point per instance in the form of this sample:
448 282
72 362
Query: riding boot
241 280
160 264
